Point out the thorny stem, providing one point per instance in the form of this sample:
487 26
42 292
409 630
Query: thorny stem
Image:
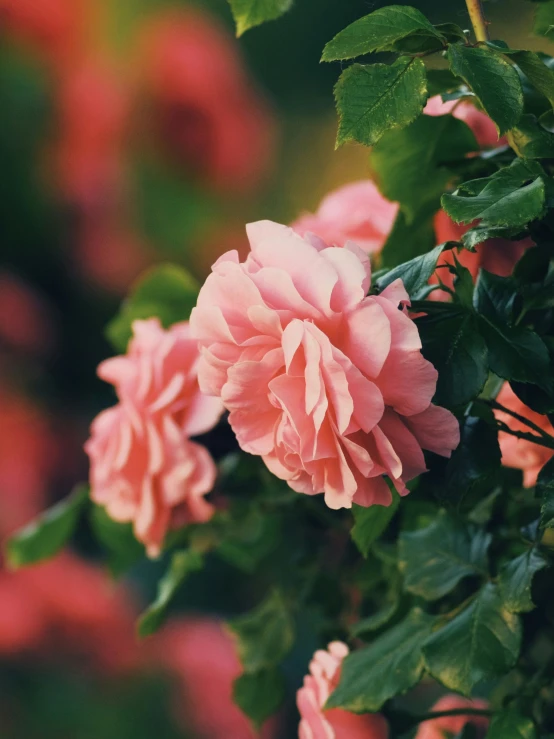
498 406
477 16
547 442
453 712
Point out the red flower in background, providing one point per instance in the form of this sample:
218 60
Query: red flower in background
26 321
520 453
498 256
28 459
206 112
202 658
56 29
67 607
92 121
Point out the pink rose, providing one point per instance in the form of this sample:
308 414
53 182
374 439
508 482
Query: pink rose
355 212
519 453
205 109
448 726
483 128
334 723
202 658
327 385
144 468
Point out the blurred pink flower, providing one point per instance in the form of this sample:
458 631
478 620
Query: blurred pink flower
26 321
109 255
481 125
519 453
92 114
56 29
83 613
327 385
68 608
334 723
205 108
202 659
21 618
355 212
498 256
448 726
29 453
144 468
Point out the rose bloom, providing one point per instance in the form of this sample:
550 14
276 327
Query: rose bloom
355 212
144 468
201 658
519 453
327 385
482 126
334 723
450 726
205 109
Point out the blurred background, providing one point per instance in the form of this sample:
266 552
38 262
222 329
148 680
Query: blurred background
134 132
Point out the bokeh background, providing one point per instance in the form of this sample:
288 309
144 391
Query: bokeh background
135 132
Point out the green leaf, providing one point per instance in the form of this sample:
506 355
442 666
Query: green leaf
435 559
544 20
412 166
182 565
251 536
452 342
477 457
530 140
513 196
516 353
545 490
379 31
494 296
166 291
479 234
441 80
118 539
48 533
374 98
376 620
494 81
388 667
369 523
259 695
265 635
510 724
408 240
536 71
480 643
414 274
250 13
516 578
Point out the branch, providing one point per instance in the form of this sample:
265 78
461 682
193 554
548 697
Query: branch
498 406
453 712
478 21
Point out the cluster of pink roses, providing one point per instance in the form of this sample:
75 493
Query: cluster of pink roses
318 723
323 381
